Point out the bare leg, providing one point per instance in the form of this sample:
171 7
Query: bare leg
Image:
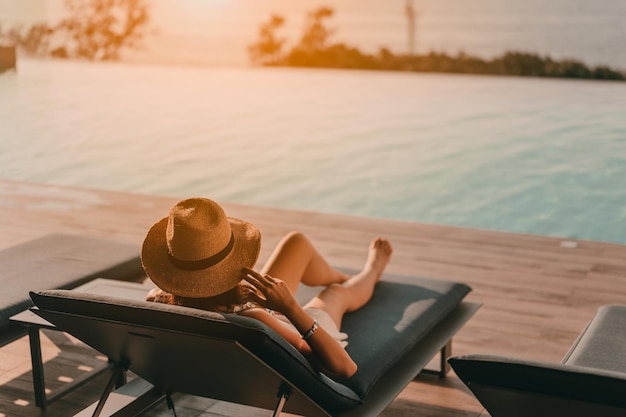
295 260
338 299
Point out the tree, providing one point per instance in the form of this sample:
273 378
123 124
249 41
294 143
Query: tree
94 29
99 29
316 34
268 49
35 40
315 51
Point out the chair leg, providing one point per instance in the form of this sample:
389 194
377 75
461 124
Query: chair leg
283 396
444 366
170 403
39 383
115 377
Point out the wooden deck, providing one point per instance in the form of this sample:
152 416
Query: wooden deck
537 292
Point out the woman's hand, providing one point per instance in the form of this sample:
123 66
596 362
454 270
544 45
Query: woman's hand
157 295
275 293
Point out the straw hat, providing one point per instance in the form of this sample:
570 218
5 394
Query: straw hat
197 251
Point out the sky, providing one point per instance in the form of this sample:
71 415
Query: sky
221 29
217 32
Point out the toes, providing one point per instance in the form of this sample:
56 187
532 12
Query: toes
382 244
386 246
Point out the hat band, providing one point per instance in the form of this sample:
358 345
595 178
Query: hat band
206 262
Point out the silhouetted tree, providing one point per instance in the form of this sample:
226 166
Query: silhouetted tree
34 40
98 29
94 29
316 34
314 50
268 48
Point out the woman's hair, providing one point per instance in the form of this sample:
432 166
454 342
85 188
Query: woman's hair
224 303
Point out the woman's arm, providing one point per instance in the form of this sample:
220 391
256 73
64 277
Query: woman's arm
326 350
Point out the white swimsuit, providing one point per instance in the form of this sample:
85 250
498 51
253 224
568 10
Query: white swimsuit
323 319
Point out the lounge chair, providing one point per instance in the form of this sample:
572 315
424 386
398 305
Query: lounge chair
238 359
57 261
589 381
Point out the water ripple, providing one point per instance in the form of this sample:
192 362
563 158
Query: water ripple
523 155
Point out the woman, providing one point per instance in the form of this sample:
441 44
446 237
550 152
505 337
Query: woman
199 257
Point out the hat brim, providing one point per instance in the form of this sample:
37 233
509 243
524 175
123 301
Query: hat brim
207 282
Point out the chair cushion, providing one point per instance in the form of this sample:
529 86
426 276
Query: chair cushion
402 310
59 261
602 344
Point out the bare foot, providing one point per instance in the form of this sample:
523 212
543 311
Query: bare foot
377 259
361 285
380 251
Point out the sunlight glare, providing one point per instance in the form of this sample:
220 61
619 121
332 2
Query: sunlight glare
198 4
196 15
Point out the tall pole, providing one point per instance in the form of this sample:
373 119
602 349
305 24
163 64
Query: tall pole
410 14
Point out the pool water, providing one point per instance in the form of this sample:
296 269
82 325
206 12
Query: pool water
526 155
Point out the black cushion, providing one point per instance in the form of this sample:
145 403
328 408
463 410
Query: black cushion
60 261
402 310
509 387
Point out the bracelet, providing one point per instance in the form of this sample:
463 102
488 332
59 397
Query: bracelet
311 330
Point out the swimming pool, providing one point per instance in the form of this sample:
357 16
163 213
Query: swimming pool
516 154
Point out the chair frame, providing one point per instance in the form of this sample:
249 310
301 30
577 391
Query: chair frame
163 357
